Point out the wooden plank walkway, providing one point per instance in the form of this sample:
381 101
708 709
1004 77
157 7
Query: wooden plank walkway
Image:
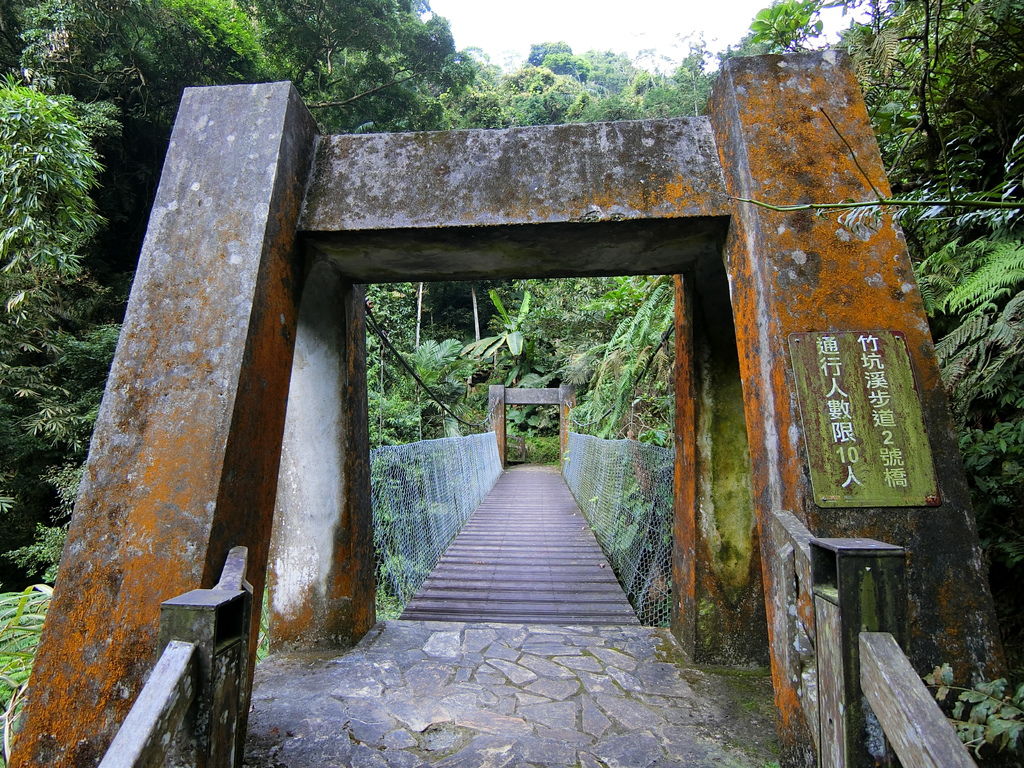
526 555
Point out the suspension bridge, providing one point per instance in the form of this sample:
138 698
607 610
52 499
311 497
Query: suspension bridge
518 643
526 555
813 512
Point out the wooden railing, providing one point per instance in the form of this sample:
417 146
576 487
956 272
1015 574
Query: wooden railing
839 628
193 708
912 721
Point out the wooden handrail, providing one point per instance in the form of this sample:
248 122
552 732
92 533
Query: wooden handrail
909 716
794 632
202 672
161 706
232 576
854 677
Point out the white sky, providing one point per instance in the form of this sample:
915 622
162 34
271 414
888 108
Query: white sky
505 31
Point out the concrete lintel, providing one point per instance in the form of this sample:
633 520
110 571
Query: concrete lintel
651 247
536 175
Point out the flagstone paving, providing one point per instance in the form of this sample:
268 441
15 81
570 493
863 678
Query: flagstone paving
474 695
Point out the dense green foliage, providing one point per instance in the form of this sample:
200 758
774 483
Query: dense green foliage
557 86
46 212
54 345
21 622
364 65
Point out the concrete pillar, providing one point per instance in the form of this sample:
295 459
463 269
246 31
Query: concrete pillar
719 615
321 565
496 407
566 402
183 462
797 272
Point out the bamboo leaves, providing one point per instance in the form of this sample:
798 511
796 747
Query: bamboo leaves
49 168
21 622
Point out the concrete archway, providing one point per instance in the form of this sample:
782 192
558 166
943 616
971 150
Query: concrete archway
257 217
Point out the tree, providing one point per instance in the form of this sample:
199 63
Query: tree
53 359
365 64
445 373
540 51
481 103
510 337
568 64
693 80
627 377
610 72
11 17
788 24
46 212
129 61
537 96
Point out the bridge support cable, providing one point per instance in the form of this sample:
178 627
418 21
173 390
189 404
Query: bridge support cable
624 489
422 495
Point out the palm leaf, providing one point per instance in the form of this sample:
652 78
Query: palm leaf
515 342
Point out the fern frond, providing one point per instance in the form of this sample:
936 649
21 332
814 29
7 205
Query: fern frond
956 369
1000 275
884 51
970 330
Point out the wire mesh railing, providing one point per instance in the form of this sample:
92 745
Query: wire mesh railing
422 494
624 489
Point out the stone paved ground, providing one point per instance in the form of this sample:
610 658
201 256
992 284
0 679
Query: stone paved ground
454 695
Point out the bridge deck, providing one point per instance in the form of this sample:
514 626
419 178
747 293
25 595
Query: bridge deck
526 555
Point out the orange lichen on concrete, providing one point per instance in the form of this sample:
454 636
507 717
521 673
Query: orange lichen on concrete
785 127
684 485
184 457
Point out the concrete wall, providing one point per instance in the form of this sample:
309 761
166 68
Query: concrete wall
730 597
321 565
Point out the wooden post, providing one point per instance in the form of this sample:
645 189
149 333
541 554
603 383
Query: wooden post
566 402
496 406
858 586
794 628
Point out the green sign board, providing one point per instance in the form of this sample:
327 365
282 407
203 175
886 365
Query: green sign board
863 428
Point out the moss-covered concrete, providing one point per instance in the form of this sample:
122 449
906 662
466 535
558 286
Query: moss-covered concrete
730 614
726 506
